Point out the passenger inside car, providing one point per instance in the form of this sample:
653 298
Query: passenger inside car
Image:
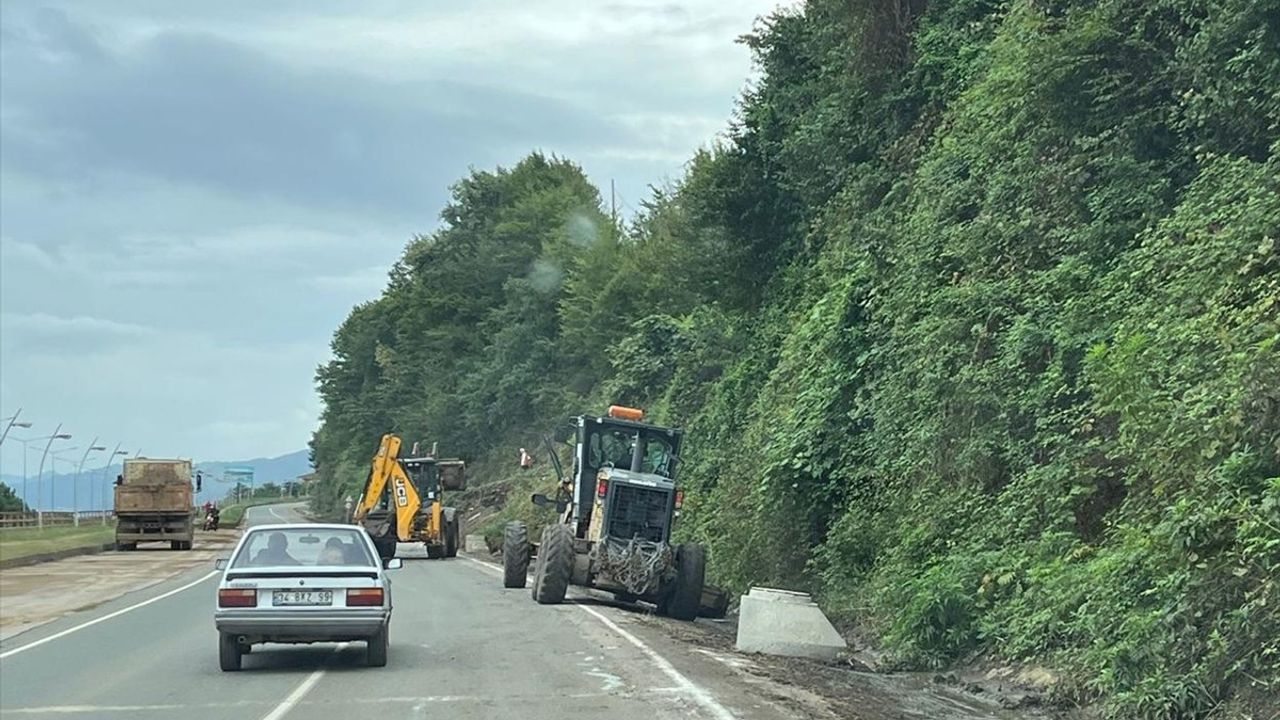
334 553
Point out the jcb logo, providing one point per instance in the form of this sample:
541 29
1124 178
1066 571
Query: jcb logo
402 495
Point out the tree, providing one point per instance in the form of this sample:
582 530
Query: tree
9 500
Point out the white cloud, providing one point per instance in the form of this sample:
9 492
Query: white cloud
368 281
193 195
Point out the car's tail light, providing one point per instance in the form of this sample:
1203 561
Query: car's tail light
232 597
602 487
679 499
358 597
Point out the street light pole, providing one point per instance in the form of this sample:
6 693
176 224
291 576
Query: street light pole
105 469
26 502
55 457
57 435
13 422
75 484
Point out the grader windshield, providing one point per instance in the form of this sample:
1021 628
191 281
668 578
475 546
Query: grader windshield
611 446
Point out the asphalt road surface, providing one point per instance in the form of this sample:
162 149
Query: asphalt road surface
462 648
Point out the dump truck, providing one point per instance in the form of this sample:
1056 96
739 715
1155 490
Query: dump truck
403 500
615 510
154 503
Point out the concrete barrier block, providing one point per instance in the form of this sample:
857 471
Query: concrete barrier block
784 622
475 544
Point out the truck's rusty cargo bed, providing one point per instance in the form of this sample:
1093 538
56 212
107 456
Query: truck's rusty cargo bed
154 502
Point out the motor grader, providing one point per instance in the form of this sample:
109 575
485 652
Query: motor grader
615 514
403 501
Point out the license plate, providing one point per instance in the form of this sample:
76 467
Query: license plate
302 597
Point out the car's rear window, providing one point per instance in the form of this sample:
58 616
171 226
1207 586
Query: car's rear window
324 547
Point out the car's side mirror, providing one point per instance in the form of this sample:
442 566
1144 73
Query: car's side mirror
542 500
220 564
394 564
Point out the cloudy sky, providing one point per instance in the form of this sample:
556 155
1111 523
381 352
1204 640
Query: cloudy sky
193 194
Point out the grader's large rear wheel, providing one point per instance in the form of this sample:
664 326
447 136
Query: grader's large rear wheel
686 590
555 563
515 555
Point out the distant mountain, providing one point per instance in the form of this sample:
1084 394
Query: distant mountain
265 470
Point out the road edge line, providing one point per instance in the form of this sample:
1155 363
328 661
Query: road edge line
699 694
104 618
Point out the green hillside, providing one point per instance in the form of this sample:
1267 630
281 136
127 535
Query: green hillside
972 324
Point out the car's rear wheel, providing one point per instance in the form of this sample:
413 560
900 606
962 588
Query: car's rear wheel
376 650
228 652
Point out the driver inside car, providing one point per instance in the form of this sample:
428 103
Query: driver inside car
276 552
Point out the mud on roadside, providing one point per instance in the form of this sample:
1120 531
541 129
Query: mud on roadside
35 594
851 688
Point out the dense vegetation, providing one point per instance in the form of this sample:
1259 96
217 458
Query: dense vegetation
972 322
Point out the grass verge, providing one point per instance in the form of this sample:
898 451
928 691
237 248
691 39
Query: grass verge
19 543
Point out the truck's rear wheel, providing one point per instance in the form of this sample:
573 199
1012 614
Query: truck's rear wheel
686 590
228 652
515 555
126 546
175 544
555 563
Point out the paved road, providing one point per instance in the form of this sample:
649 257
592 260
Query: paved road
462 647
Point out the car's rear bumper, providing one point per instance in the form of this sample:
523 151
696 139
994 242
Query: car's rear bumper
269 625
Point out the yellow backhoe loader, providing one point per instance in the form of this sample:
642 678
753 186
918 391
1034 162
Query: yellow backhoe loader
403 501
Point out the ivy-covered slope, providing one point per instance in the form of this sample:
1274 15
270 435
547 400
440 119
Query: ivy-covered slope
972 324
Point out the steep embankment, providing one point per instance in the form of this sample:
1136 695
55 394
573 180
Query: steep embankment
972 325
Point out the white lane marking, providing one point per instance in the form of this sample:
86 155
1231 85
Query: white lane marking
299 692
520 700
695 691
104 618
272 510
692 689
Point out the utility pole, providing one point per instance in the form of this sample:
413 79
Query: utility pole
613 205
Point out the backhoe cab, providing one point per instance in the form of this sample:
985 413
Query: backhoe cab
403 501
616 509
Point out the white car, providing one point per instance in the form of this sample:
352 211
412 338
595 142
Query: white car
303 583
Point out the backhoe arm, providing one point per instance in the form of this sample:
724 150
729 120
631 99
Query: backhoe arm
405 501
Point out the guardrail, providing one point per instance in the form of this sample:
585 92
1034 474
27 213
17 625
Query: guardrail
20 520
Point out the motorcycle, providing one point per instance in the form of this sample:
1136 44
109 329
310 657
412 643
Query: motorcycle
211 520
